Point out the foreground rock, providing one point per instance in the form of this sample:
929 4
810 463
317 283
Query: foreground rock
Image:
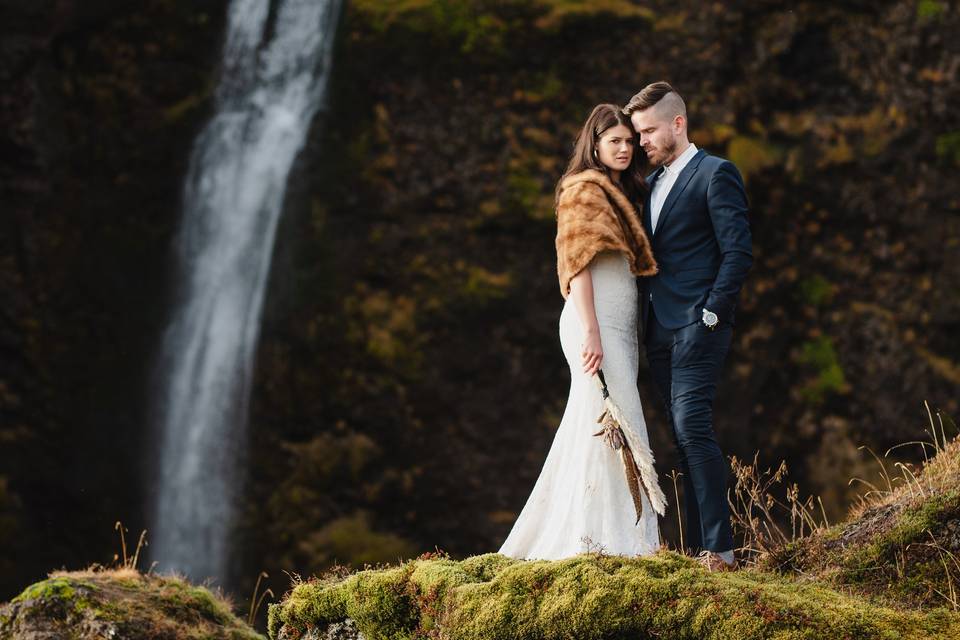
591 596
121 604
891 571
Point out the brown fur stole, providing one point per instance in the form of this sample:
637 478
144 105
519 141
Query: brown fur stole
593 215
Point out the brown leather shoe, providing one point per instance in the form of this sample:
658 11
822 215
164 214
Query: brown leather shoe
711 561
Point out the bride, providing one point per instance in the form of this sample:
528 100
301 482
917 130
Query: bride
581 501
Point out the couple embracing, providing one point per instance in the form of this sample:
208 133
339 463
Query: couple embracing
667 254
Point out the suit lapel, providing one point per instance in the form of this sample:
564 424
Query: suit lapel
678 187
647 222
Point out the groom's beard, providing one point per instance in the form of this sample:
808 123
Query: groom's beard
662 154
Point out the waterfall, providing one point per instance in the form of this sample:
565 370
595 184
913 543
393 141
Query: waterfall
276 60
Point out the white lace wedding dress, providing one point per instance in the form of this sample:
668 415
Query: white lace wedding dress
581 501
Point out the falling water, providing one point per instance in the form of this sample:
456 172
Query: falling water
275 66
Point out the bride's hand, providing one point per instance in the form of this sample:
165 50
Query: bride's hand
592 352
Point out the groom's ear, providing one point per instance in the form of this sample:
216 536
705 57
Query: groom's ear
679 124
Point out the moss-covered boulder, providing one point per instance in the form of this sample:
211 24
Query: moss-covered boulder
591 596
125 604
892 570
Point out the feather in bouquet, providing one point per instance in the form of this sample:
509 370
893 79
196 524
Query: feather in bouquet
634 453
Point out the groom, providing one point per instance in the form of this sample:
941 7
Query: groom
696 217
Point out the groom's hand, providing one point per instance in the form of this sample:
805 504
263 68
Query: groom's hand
592 352
727 204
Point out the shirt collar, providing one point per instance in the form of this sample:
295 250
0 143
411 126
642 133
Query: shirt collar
677 165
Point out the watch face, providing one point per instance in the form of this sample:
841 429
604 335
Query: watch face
710 318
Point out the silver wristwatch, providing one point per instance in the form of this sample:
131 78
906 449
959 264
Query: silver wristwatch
710 319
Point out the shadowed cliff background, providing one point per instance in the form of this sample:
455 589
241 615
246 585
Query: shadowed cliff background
409 375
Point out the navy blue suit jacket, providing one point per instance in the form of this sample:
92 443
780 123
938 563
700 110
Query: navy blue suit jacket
701 244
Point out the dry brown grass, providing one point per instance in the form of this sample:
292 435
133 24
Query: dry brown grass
900 543
767 522
772 517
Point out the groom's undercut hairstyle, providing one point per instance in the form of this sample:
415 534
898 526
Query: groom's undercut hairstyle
661 96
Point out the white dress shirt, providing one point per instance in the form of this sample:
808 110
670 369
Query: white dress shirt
663 185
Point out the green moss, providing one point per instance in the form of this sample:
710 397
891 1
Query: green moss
525 191
60 588
928 9
484 567
274 619
948 147
592 596
166 606
912 523
899 560
467 26
821 355
380 602
816 290
202 600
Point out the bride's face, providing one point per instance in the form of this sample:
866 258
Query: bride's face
615 147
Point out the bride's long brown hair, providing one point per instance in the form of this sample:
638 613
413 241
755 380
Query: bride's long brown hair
603 117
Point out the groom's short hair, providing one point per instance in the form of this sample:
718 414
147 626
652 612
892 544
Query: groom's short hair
654 94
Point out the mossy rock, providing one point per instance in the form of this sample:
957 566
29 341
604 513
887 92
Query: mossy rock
124 604
902 549
590 596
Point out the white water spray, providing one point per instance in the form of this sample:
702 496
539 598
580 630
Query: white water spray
275 69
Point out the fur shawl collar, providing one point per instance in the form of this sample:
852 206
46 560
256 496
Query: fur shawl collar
593 215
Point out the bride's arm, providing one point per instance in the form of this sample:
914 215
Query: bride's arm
581 290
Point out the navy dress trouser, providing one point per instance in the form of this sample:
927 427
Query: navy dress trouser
686 364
